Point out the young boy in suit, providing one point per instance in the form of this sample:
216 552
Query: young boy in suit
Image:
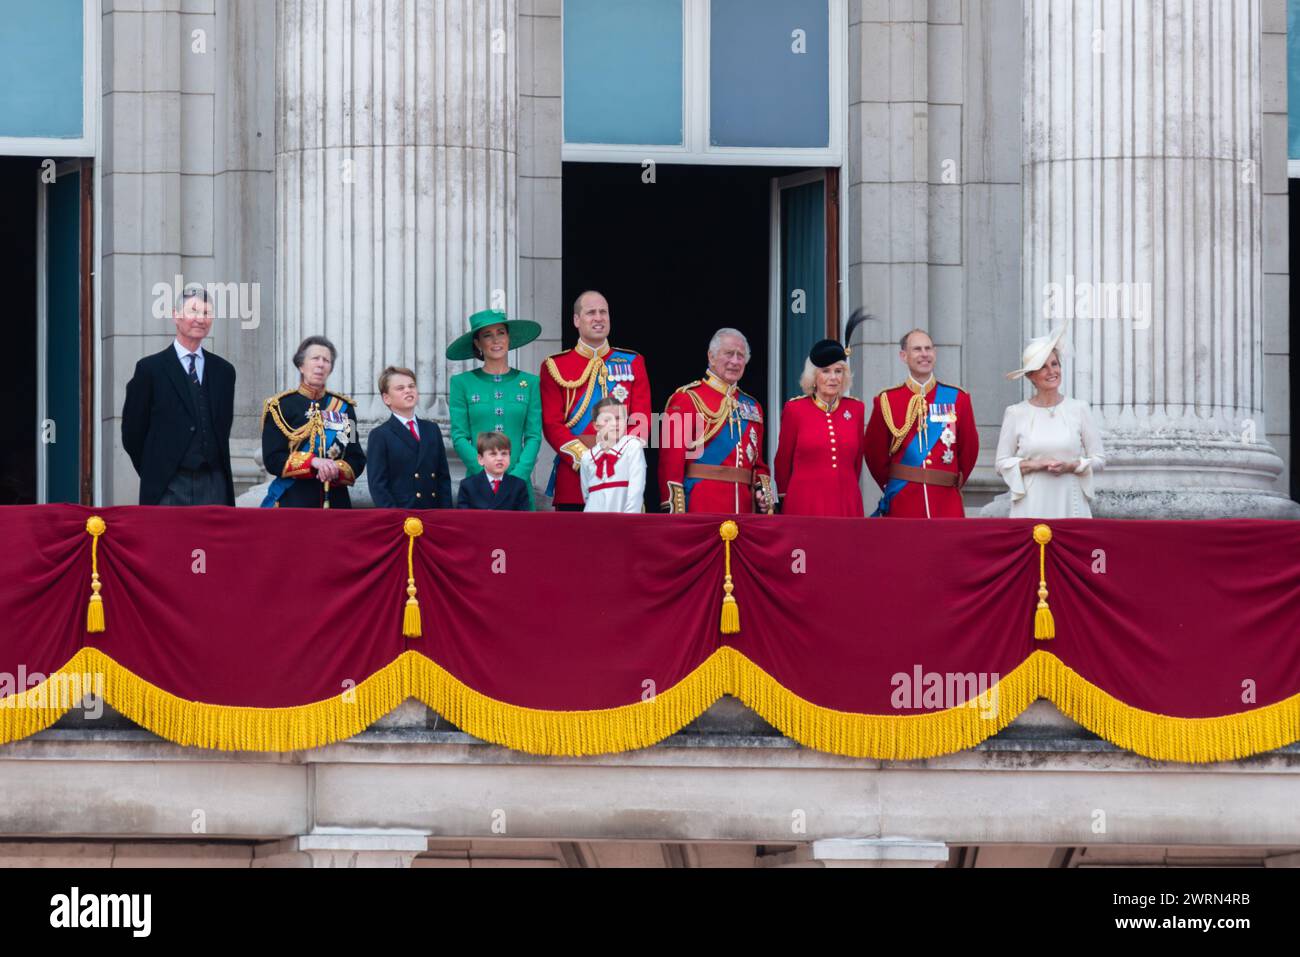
492 488
406 462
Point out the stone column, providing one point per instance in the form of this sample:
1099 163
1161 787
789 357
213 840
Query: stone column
1142 224
395 183
364 849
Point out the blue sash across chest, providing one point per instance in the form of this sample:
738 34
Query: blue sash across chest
918 451
618 366
723 445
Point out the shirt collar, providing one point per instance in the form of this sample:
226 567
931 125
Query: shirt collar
587 352
182 352
405 421
823 406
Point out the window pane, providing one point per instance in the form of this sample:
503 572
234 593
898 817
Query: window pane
769 73
623 71
41 59
1293 74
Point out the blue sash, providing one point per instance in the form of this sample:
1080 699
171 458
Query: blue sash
721 445
915 455
616 363
281 485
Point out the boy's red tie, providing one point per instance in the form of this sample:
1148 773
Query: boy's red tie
411 425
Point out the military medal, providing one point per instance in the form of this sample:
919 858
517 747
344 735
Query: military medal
947 437
947 457
620 392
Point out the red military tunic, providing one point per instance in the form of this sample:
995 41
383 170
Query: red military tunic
818 461
572 383
889 438
711 440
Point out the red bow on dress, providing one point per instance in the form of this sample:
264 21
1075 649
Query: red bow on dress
605 464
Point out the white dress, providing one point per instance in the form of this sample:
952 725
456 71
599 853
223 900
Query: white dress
616 485
1064 432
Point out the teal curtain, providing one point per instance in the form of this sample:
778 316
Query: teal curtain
63 338
803 279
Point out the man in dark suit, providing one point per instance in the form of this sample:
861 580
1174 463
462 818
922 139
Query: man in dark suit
406 462
492 489
180 405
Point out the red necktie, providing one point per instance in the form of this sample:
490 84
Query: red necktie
411 425
496 483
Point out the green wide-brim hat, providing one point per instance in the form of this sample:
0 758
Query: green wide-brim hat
522 332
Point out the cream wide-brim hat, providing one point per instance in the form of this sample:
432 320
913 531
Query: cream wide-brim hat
1037 353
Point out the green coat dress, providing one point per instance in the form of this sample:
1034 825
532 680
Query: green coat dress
510 403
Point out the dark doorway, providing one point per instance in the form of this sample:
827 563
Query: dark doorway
18 385
677 258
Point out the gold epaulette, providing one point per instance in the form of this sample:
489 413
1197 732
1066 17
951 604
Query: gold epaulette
273 400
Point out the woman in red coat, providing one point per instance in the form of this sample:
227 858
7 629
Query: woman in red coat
819 457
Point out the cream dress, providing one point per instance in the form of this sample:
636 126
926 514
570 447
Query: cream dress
1064 432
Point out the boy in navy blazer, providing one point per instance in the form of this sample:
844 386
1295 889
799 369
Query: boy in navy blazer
406 462
492 488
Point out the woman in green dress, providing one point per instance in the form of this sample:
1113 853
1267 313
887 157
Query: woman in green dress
495 397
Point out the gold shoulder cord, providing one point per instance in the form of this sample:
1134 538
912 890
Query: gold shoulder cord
312 431
593 374
714 421
915 411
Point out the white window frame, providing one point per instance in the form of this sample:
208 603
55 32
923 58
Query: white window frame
697 102
84 145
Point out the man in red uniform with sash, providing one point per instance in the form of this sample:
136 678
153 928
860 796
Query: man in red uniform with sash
573 382
921 442
711 440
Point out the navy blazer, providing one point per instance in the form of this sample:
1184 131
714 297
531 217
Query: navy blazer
404 473
160 415
476 492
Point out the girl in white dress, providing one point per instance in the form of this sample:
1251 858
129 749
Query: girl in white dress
613 475
1049 447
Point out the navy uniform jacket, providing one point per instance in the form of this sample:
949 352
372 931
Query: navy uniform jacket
476 492
289 410
405 473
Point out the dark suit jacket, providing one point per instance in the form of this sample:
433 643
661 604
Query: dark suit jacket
404 473
160 415
476 492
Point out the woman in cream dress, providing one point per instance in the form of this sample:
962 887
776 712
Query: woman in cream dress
1049 447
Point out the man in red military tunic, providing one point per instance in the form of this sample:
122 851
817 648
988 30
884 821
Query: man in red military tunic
921 442
573 382
711 440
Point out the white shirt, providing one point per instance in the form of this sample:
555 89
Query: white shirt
406 424
624 491
182 353
1064 432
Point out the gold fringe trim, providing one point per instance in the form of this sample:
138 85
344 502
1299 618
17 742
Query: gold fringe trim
892 737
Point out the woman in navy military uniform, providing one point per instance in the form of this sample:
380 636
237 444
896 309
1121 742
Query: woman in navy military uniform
309 437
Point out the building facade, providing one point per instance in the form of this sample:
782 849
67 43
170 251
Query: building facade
376 172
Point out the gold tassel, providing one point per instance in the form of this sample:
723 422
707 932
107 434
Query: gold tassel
414 528
1044 623
95 613
730 610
